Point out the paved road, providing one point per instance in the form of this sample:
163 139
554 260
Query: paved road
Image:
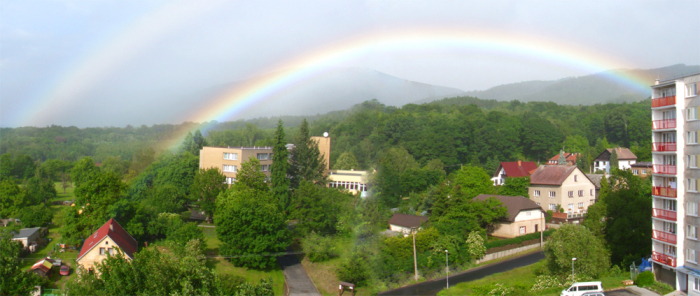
295 276
431 288
622 292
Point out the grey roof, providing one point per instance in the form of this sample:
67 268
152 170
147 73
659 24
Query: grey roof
407 220
515 204
595 178
27 232
642 164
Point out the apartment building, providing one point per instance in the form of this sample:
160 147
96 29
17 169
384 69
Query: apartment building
228 159
675 175
562 185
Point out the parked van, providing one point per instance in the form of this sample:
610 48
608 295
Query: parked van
578 289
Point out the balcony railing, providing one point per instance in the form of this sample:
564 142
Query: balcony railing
665 101
664 236
663 146
664 191
663 124
665 169
663 214
663 258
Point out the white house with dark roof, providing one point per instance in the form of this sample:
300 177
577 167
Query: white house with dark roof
404 222
524 216
625 159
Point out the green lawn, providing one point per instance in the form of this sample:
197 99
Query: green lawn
522 279
223 266
69 195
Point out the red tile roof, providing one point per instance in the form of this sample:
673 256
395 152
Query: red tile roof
517 168
552 174
44 265
570 158
115 232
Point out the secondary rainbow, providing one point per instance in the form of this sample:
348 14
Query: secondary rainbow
308 66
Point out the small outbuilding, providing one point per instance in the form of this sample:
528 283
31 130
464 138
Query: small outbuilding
404 222
42 267
524 216
28 236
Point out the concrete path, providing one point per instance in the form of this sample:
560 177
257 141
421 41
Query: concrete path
295 276
641 291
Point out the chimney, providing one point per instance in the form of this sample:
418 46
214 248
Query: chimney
656 82
519 163
111 227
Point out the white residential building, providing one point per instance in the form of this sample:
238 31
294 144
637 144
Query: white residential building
675 173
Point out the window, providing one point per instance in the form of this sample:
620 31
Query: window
691 255
265 167
102 251
536 193
552 194
692 113
591 192
692 137
110 251
635 171
580 205
644 171
692 89
230 168
575 178
669 250
696 286
571 207
262 156
230 180
692 231
692 208
553 207
692 161
571 193
522 230
692 185
231 156
580 193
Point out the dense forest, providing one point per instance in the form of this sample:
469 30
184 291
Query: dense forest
459 130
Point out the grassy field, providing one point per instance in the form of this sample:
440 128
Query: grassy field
522 279
223 266
69 195
68 256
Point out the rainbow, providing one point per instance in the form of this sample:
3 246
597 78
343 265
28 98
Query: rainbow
305 67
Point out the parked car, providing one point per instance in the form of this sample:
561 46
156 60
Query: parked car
65 270
579 289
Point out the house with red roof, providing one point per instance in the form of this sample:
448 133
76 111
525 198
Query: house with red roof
42 267
570 158
105 241
513 169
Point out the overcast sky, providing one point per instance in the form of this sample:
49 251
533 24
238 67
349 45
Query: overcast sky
62 60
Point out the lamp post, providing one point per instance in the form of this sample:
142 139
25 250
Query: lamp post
572 270
447 268
415 262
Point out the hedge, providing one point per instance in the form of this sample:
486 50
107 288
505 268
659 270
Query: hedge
517 240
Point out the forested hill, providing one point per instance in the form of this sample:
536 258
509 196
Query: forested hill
456 131
583 90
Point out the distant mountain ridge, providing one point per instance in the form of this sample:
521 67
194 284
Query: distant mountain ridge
584 90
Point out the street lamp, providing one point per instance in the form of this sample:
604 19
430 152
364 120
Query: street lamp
447 268
572 270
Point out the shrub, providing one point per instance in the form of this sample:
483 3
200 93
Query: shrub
516 240
318 248
475 245
354 269
644 279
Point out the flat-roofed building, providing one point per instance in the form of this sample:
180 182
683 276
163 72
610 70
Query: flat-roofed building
229 159
353 181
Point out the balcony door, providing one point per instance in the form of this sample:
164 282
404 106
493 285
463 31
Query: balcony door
668 137
669 205
669 160
671 114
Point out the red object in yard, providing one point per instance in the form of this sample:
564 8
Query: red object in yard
65 270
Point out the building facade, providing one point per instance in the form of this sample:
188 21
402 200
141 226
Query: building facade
109 239
625 159
352 181
513 169
229 159
562 185
524 216
675 175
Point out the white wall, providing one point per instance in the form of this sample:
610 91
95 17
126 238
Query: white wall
529 215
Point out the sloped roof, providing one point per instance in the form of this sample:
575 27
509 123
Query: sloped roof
596 179
44 264
26 232
518 168
551 174
515 204
570 157
407 220
115 232
622 153
642 164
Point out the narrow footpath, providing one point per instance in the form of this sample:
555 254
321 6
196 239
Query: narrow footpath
432 287
295 276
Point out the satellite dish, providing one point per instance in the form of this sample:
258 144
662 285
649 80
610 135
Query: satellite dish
325 134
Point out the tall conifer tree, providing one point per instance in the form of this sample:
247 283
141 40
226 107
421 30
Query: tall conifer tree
306 162
279 167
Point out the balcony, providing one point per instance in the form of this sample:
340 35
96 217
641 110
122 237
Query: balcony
665 169
663 214
663 124
663 146
663 258
664 191
665 101
664 236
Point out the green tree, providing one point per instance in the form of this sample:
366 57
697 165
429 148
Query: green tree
280 166
23 166
306 162
5 166
83 171
576 144
316 208
12 198
575 241
614 162
36 216
250 227
346 161
116 165
14 280
515 186
250 176
207 185
597 213
40 189
471 181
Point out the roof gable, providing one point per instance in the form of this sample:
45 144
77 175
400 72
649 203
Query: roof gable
406 220
622 154
518 168
116 233
551 174
514 204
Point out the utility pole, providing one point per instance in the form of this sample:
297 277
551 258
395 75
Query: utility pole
544 225
415 262
573 278
447 268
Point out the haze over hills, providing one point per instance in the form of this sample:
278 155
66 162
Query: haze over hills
584 90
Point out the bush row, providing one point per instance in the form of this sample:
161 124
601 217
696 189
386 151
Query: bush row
517 240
